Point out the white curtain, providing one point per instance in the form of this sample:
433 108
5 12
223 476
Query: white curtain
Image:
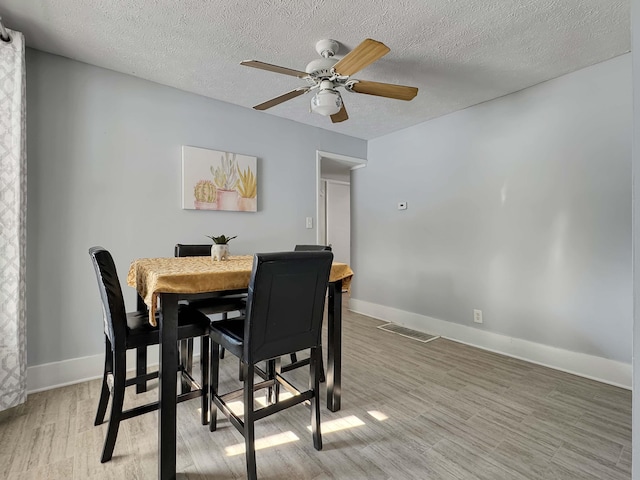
13 217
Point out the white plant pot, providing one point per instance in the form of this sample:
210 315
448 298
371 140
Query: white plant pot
219 252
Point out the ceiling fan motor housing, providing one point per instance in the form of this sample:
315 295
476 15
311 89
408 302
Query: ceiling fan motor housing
321 67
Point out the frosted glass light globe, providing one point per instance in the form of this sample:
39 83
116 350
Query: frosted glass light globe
326 102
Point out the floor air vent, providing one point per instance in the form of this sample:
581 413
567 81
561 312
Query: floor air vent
407 332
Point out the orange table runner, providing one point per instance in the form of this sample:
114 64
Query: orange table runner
152 276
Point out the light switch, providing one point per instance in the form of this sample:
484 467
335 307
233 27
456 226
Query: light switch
402 205
309 222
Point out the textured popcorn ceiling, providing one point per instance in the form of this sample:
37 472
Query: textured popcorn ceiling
458 52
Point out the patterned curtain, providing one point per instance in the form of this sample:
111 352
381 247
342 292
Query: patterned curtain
13 217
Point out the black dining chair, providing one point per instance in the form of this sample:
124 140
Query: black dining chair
124 331
295 363
284 315
223 304
312 248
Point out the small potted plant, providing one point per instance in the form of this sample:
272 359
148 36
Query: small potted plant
220 247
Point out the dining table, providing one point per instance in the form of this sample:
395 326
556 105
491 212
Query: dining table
163 282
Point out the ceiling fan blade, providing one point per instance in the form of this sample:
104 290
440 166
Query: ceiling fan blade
341 116
282 98
364 54
274 68
389 90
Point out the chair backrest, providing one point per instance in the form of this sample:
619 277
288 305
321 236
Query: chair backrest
185 250
113 307
285 304
312 248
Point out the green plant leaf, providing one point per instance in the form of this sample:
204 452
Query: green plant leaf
221 239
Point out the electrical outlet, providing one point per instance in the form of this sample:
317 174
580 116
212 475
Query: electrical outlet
477 316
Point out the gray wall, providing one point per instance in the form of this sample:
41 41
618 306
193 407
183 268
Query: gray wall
520 207
104 162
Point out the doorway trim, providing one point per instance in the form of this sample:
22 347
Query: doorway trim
352 163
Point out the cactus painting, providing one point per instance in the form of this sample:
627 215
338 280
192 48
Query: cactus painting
214 180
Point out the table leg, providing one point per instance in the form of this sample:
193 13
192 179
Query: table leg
168 386
334 346
141 352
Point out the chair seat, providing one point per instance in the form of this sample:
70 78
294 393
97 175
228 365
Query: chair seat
224 304
229 334
191 323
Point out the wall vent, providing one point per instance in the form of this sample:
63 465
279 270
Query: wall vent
407 332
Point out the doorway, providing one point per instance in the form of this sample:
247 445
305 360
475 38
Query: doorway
333 205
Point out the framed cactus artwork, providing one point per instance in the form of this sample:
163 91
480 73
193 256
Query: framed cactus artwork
213 180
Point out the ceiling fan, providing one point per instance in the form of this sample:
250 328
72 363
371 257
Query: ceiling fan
326 74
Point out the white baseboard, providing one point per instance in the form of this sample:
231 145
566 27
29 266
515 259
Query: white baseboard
590 366
77 370
67 372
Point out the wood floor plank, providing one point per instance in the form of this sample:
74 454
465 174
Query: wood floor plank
577 459
476 462
54 471
624 462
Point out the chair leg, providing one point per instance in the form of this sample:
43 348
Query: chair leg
204 380
186 362
314 383
141 368
213 385
277 371
249 428
119 377
224 317
104 393
189 365
322 376
271 374
241 372
274 367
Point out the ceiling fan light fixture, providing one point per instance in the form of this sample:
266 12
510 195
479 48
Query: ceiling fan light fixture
326 102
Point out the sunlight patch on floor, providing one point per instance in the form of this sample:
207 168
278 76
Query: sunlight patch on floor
262 399
236 407
339 424
261 443
381 417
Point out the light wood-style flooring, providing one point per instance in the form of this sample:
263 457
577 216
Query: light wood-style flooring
440 410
